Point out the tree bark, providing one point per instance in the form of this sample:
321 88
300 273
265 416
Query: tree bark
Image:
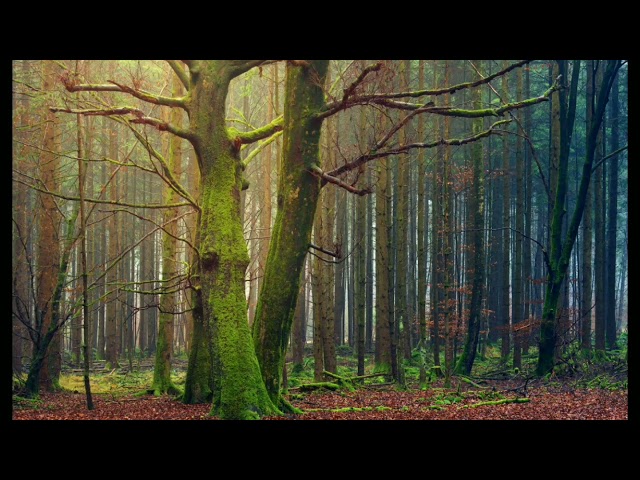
612 225
162 382
298 192
506 235
48 245
476 257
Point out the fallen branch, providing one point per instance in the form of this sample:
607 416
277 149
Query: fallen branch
498 402
470 382
307 387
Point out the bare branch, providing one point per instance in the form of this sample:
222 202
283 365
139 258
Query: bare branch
317 171
320 249
107 202
152 98
70 84
525 136
165 126
379 98
167 174
180 72
362 159
366 71
454 88
139 117
335 107
101 111
612 154
456 112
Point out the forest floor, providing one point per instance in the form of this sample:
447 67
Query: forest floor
542 401
583 388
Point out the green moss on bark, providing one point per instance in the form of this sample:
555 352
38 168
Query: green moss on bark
222 362
298 192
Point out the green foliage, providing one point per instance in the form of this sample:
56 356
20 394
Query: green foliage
20 403
447 398
344 350
607 382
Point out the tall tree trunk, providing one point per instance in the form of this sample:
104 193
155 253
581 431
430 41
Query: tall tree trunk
111 348
83 259
560 253
383 339
318 337
162 382
299 336
294 220
436 243
369 268
517 307
22 233
506 234
447 247
476 257
360 235
48 245
402 219
327 276
599 228
587 231
612 225
526 247
422 226
238 391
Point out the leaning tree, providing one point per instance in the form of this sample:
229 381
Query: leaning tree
303 176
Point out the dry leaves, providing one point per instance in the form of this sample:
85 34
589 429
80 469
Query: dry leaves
389 404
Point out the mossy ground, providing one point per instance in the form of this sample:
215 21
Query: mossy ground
117 384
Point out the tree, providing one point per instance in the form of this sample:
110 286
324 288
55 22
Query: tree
558 259
164 348
302 177
222 362
612 225
42 372
476 260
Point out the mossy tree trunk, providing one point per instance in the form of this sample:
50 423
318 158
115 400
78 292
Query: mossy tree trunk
222 364
560 254
238 391
298 192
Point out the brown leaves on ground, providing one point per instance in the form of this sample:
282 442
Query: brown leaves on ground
69 406
416 405
364 404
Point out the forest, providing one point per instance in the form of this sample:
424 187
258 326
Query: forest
319 239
